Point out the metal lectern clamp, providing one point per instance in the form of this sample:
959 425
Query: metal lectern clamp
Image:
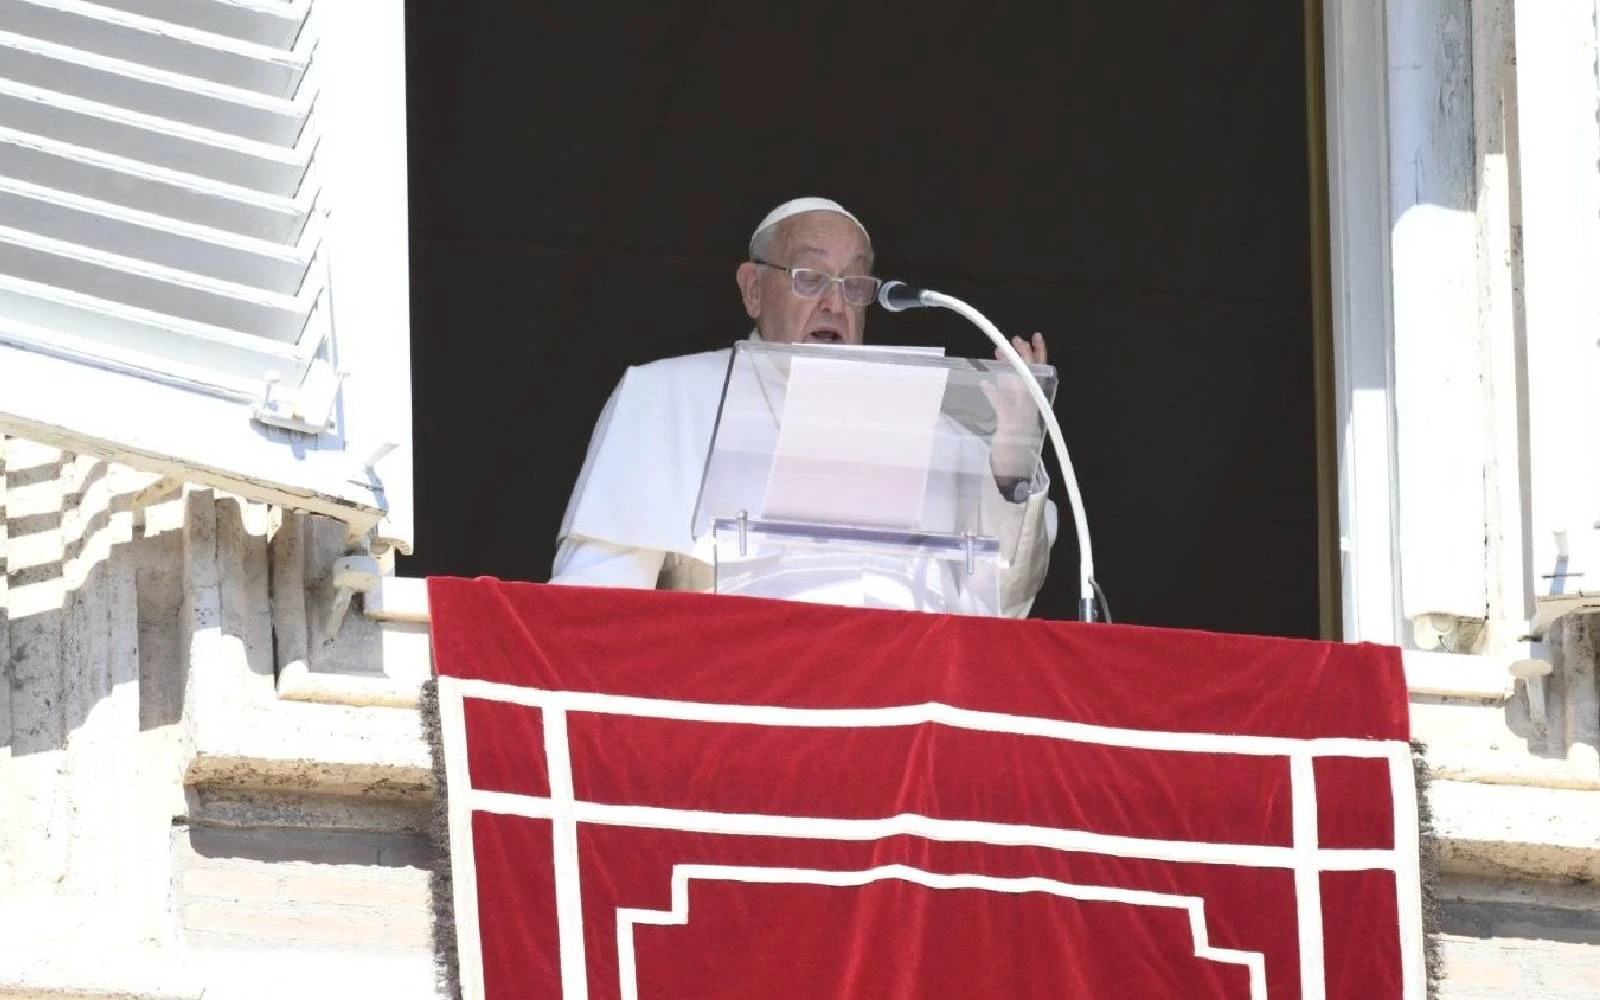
744 533
972 554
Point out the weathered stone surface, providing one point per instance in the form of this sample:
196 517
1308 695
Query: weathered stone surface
286 887
139 692
1520 939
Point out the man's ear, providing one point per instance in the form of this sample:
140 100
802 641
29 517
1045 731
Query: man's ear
749 277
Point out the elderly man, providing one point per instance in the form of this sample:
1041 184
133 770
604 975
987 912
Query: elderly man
807 280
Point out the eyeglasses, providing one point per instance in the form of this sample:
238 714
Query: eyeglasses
808 282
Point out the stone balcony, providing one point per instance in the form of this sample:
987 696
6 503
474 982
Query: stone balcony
215 785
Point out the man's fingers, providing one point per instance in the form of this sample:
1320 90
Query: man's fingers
1033 351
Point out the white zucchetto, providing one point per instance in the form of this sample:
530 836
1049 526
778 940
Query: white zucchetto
796 206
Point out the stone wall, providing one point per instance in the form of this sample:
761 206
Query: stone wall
169 825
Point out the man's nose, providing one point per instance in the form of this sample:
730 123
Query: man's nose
833 297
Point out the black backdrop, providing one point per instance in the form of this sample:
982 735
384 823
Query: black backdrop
1130 179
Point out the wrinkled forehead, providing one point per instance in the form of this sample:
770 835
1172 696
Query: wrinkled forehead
825 238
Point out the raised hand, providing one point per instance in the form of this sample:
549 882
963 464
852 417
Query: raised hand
1015 416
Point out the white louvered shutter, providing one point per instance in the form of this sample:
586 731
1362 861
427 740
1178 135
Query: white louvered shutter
203 242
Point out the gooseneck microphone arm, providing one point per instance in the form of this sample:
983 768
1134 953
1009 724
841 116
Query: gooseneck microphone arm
897 296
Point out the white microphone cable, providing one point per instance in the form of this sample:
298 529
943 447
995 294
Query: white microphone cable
897 296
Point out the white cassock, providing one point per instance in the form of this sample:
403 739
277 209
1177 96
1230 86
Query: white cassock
628 523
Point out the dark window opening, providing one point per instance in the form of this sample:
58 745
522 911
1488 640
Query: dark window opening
1130 180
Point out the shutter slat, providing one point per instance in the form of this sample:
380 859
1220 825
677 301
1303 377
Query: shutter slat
150 140
182 247
149 286
155 190
152 92
172 47
265 22
84 321
240 371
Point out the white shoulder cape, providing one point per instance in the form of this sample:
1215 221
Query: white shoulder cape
642 473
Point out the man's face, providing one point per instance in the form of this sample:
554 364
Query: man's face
825 241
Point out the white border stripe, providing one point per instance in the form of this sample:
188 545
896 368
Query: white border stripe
564 833
1408 876
463 864
682 875
955 831
627 961
908 715
1308 878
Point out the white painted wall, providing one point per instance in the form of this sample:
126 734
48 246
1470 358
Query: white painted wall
1558 160
1437 379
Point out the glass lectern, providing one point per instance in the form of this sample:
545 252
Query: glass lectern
872 477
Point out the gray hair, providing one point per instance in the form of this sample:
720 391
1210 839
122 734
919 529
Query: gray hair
765 243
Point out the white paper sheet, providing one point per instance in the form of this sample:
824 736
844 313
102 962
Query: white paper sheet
855 443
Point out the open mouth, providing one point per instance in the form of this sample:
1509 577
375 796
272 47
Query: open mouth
825 335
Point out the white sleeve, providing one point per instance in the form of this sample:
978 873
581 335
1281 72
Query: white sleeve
1026 531
584 561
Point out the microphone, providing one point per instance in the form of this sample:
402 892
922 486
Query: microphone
897 296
